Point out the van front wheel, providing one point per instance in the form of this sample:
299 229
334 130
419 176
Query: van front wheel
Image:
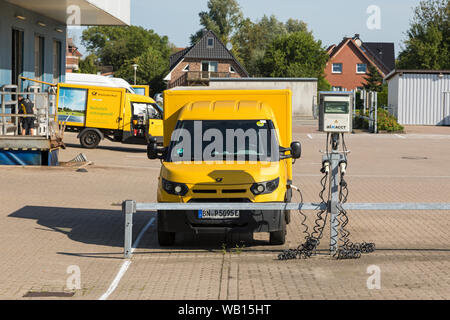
90 139
165 239
279 237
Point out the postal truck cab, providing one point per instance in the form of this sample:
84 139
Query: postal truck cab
225 146
99 112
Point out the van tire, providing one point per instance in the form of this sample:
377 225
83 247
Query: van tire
165 239
279 237
90 139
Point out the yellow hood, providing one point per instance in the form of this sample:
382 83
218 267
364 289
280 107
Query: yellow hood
210 173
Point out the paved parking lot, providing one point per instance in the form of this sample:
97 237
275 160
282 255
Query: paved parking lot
53 219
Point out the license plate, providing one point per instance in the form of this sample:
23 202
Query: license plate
218 214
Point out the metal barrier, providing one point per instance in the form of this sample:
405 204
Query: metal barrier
370 103
130 207
43 103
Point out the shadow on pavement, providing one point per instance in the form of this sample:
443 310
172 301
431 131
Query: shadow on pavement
110 148
106 228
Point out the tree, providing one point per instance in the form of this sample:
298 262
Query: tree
222 18
374 80
121 47
252 39
152 68
89 64
428 42
295 55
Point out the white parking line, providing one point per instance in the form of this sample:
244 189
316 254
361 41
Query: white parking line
126 263
310 136
399 136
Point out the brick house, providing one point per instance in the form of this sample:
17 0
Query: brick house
208 58
350 60
73 57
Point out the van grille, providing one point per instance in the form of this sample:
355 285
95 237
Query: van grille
234 191
220 200
204 191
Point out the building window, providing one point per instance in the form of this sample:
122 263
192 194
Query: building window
337 88
210 43
38 57
337 68
57 59
361 68
186 68
232 70
17 56
210 66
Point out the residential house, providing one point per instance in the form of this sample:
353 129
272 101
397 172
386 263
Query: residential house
73 57
208 58
350 60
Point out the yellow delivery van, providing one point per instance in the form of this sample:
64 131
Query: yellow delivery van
116 114
225 146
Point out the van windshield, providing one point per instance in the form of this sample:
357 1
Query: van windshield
224 140
152 110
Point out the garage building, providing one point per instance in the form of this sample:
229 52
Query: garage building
420 97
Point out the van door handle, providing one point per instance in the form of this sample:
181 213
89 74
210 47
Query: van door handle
119 118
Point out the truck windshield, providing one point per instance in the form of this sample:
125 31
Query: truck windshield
340 107
224 140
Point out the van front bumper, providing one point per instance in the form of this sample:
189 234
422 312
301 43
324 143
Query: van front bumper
249 221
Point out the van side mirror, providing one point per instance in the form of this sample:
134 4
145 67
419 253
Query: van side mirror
296 150
153 151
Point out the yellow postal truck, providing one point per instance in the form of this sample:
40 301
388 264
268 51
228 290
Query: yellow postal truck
225 146
99 112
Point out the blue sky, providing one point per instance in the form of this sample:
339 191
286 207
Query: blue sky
329 20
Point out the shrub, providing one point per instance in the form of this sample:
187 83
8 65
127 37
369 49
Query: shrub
386 121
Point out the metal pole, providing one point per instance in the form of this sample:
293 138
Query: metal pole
332 208
376 114
3 117
128 208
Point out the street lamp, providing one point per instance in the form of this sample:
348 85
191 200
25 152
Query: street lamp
135 66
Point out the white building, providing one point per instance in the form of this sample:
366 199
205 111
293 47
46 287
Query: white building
420 97
33 34
304 90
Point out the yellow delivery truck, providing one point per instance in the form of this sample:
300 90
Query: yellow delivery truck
117 114
225 146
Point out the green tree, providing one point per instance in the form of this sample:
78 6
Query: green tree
295 55
428 39
374 80
222 18
88 64
121 47
252 39
152 68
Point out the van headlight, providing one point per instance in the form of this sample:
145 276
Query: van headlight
265 187
175 188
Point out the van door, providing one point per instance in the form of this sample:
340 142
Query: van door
104 109
155 128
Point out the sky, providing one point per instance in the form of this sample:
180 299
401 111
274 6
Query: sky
329 20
